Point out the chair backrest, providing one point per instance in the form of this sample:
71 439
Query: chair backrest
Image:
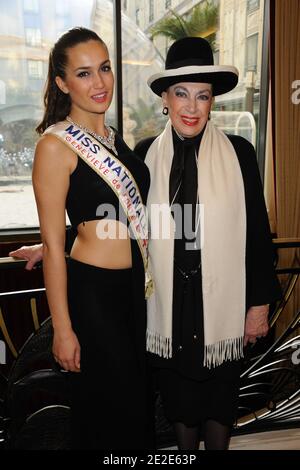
35 354
35 382
46 429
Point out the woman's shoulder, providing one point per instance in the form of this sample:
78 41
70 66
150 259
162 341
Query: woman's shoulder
247 159
51 150
52 143
244 150
241 144
48 140
142 147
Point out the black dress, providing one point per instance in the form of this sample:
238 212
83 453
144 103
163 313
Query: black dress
190 392
109 402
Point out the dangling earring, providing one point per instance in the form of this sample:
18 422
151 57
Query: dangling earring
165 111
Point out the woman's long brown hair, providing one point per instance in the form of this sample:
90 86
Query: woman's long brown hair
58 104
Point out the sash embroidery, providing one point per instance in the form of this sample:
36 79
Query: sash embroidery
117 176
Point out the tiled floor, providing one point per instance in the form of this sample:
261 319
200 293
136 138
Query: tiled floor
287 439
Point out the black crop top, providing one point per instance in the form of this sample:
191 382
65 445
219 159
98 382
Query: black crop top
88 190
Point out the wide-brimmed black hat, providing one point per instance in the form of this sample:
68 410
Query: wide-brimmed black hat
191 59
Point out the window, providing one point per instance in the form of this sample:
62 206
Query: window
251 53
35 68
168 3
137 16
252 5
31 6
151 11
62 8
23 72
216 57
62 25
124 4
33 37
2 93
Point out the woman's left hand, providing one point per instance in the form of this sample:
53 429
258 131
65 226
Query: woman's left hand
256 324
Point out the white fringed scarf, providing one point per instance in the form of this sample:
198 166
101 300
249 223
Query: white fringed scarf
221 191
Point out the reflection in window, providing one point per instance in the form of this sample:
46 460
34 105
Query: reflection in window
62 8
35 68
2 92
137 16
252 5
151 11
22 76
33 37
251 54
216 57
31 5
62 24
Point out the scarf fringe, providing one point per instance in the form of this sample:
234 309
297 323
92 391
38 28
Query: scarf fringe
158 344
227 349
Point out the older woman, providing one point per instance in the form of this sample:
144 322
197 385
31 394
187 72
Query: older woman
79 166
213 263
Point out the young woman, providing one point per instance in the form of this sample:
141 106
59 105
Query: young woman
97 301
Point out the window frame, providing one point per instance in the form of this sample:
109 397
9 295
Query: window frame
264 92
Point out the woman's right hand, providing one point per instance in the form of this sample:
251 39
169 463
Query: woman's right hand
66 350
33 254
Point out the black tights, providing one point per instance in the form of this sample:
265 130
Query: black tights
216 436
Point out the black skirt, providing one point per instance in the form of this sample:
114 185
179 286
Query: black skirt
190 392
193 402
108 396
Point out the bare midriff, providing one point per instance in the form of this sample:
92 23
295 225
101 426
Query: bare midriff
103 243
